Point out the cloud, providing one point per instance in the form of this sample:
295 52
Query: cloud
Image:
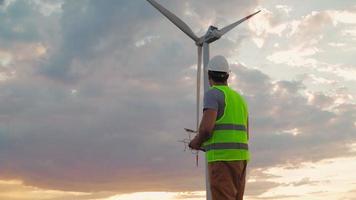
311 25
281 106
333 44
285 8
350 33
304 29
297 56
258 183
5 58
19 21
343 16
309 179
316 79
98 28
267 23
14 189
303 45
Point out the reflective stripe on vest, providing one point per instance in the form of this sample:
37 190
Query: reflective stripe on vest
219 146
236 127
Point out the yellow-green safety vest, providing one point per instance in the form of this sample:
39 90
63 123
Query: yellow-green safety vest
229 140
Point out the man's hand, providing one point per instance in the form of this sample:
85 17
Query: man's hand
205 129
195 143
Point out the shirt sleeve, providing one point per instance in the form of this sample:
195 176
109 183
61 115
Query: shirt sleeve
210 100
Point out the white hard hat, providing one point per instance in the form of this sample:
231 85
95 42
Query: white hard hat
219 64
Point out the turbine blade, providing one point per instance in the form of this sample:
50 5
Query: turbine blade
174 19
233 25
198 85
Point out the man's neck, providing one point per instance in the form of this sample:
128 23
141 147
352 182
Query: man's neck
220 84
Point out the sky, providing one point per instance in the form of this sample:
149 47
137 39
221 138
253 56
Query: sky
94 96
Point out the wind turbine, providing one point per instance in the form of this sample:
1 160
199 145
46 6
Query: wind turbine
202 43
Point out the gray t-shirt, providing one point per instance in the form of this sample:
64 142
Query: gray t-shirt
215 99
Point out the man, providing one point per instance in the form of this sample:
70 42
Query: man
223 134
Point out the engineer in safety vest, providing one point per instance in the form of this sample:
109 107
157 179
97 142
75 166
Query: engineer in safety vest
223 134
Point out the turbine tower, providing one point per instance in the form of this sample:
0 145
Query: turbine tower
202 43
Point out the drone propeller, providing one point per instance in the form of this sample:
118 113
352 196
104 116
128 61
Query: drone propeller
174 19
190 130
233 25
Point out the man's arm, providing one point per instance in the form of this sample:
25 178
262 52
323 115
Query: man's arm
205 129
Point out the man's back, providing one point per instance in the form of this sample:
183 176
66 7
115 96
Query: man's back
229 140
215 99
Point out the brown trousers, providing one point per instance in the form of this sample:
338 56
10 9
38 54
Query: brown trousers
227 179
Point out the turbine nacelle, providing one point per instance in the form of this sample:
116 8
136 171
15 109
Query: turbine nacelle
210 36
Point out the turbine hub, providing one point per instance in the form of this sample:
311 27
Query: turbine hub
212 34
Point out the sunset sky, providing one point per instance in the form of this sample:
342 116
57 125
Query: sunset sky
94 96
